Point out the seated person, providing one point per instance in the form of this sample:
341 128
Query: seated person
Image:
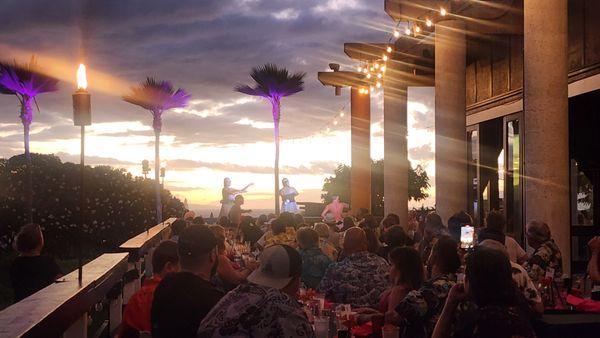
249 231
433 228
394 237
500 309
176 228
389 221
30 271
199 220
182 299
314 261
327 240
495 228
520 277
281 233
360 278
420 309
456 221
226 273
136 316
406 273
266 306
546 258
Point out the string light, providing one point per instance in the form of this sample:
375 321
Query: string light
443 11
385 57
417 29
376 66
335 122
389 49
379 76
342 114
407 31
396 33
365 70
383 69
368 75
428 22
378 85
359 69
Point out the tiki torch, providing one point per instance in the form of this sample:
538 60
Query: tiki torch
82 116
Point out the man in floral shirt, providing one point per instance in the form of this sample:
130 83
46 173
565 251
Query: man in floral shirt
266 306
546 259
360 278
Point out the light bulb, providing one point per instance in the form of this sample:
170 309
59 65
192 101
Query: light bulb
335 122
407 31
389 49
341 114
368 75
361 91
372 68
376 66
379 76
365 70
443 11
428 22
383 69
378 84
396 34
359 69
417 29
385 57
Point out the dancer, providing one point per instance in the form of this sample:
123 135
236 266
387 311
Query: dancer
229 194
288 197
334 210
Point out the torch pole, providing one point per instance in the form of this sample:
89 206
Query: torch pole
81 207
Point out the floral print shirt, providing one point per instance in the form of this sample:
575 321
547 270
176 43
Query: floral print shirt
314 265
420 309
288 238
252 310
545 258
358 279
525 284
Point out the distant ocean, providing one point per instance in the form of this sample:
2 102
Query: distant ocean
206 212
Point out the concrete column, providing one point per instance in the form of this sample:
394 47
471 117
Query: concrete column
360 130
450 118
395 169
546 123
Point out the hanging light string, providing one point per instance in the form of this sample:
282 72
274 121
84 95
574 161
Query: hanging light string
335 120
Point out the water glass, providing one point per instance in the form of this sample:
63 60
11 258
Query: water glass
390 331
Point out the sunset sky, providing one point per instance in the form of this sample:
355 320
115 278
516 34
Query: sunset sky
206 47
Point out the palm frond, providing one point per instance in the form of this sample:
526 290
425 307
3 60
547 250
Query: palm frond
273 82
25 79
156 95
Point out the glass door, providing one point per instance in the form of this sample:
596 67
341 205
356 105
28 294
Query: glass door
513 181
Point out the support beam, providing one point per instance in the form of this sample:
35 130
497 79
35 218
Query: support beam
360 179
450 120
395 169
545 102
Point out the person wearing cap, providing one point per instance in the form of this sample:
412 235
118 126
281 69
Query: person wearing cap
546 258
266 306
136 316
182 299
360 278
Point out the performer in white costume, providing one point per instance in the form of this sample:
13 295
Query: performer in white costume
288 197
228 198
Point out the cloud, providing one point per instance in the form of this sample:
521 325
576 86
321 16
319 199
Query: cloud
314 168
93 160
286 14
255 124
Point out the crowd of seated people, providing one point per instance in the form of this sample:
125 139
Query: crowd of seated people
418 280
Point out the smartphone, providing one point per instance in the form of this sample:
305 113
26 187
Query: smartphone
467 234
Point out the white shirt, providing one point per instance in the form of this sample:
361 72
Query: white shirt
515 252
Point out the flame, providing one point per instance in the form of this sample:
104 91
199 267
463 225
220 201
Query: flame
81 78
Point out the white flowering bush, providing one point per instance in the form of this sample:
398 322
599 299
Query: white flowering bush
118 206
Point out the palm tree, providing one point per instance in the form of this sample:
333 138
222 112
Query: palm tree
157 97
26 82
273 83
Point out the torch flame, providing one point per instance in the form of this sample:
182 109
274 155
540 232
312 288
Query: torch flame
81 78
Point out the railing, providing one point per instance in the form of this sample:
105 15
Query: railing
61 309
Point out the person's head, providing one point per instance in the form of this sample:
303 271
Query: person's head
307 238
456 221
444 257
285 182
278 226
165 258
262 219
355 240
348 222
280 268
189 215
198 250
239 200
372 240
368 222
29 240
362 213
537 233
199 220
395 236
246 221
177 227
288 219
335 199
406 267
390 220
488 277
494 245
219 233
495 221
227 182
433 226
322 229
298 219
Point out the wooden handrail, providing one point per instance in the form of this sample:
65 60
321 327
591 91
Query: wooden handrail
139 245
52 310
